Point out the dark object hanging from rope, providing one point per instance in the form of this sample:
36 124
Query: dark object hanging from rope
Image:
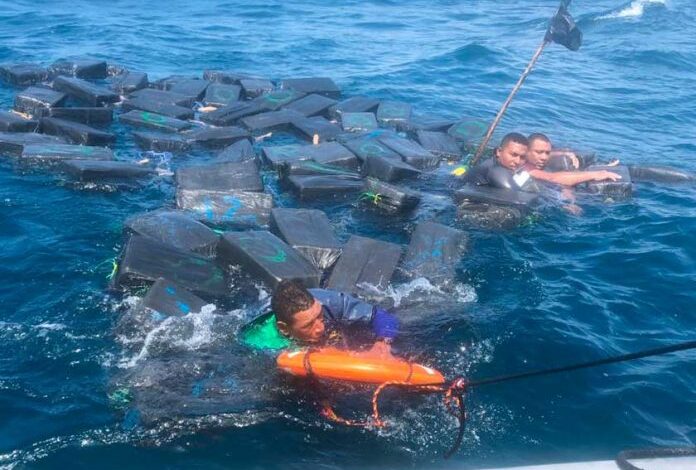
562 29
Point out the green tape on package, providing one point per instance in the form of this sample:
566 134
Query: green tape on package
263 333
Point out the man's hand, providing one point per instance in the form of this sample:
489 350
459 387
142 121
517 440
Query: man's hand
605 175
567 194
381 348
574 160
384 324
573 209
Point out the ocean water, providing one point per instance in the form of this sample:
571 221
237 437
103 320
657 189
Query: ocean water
559 290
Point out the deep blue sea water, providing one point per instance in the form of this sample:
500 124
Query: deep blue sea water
560 290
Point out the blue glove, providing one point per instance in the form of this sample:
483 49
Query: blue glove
384 324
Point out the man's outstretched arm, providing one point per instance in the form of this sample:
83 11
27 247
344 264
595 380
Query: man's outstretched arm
572 178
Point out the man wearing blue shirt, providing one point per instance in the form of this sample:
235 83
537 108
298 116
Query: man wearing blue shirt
315 316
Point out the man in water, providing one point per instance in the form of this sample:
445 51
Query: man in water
503 171
317 317
539 152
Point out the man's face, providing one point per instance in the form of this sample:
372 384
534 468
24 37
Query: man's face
511 155
308 325
538 153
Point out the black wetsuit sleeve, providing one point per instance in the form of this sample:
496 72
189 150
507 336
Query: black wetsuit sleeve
478 175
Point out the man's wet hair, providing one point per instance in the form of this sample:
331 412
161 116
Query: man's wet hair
289 298
515 137
538 136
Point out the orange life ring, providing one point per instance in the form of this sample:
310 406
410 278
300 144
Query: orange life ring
336 364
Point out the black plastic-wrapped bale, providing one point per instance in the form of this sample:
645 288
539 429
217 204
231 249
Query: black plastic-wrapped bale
23 74
14 143
358 122
469 131
439 143
194 88
167 299
161 142
374 135
389 169
331 153
427 123
80 67
493 208
319 126
355 104
311 105
486 194
393 113
309 232
34 99
319 85
76 132
154 121
145 260
241 209
87 92
254 87
228 77
218 94
176 228
263 255
622 188
271 120
388 197
128 81
216 137
365 263
659 174
276 99
227 176
90 116
101 170
565 161
280 154
365 147
162 96
231 113
13 122
411 152
57 152
489 216
158 107
309 187
239 151
434 252
312 168
169 81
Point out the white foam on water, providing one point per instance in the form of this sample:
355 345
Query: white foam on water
419 290
633 10
189 332
50 326
151 337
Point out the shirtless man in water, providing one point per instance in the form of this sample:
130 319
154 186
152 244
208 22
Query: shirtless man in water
540 151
